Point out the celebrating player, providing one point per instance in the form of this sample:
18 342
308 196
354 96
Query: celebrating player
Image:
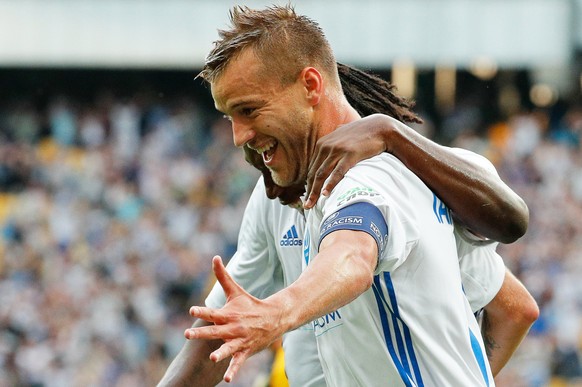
312 83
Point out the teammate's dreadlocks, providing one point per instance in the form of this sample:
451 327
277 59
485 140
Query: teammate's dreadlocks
370 94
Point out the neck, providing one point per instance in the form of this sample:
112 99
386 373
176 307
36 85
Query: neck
335 113
331 113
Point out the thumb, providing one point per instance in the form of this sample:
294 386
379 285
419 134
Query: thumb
230 287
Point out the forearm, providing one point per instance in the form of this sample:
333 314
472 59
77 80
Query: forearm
478 198
192 366
339 273
506 321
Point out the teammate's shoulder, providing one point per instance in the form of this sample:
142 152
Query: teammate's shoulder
474 157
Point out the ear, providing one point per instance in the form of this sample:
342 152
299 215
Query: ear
313 83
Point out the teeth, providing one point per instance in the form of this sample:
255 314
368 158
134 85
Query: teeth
265 147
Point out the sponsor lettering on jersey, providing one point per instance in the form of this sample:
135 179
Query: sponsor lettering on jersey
291 238
324 323
354 193
441 211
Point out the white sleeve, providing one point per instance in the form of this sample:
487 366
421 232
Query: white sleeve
255 265
475 158
482 269
370 194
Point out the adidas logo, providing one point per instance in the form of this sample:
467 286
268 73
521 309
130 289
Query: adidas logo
291 238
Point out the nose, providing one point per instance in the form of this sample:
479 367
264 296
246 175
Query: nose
241 133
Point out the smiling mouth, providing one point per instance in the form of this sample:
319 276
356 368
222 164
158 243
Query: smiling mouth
267 151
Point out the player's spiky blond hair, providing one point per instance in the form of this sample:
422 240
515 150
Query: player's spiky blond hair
283 41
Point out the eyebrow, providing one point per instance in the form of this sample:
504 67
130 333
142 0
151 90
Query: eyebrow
231 108
244 102
240 103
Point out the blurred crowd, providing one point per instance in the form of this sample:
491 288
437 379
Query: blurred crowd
109 216
111 210
538 154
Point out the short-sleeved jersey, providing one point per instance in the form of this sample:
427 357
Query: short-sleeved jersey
414 326
269 256
482 269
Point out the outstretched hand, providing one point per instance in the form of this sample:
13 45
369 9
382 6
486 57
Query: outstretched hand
339 151
245 323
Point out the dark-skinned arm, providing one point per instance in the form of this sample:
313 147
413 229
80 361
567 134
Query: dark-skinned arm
479 199
192 366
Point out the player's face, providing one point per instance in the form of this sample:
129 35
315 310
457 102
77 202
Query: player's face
273 119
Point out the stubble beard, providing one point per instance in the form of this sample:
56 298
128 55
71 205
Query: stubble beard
301 165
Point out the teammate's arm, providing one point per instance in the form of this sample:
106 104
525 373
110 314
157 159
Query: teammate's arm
192 366
480 200
506 321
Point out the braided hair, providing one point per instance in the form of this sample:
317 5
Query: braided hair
370 94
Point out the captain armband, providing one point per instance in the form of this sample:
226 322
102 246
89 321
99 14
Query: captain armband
361 216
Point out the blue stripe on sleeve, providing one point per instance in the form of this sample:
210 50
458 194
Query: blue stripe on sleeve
404 375
405 329
402 354
361 216
395 321
479 356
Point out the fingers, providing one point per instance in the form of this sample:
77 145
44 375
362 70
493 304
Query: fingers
331 175
313 191
230 348
230 287
312 171
206 314
225 351
335 177
209 332
235 363
326 170
318 172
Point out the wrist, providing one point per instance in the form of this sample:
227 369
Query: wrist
284 313
388 130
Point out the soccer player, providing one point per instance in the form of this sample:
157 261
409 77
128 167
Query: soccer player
466 182
314 105
258 272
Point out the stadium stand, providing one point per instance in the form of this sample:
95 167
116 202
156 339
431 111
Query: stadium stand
114 196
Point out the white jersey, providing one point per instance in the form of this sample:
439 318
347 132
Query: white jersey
269 258
414 326
482 269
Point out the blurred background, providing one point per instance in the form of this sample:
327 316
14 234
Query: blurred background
119 181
